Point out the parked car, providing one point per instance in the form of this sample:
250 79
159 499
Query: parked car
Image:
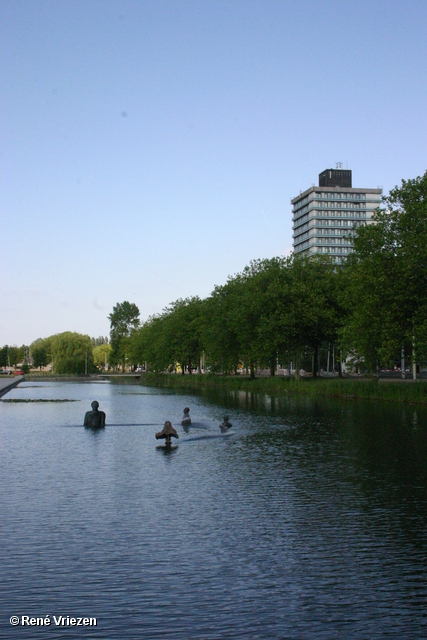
18 372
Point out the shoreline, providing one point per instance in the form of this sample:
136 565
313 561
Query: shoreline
401 391
89 377
344 389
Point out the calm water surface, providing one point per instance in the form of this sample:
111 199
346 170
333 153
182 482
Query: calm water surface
306 520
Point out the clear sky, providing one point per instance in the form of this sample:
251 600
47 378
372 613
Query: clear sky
149 149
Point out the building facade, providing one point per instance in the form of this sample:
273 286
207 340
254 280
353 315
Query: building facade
324 217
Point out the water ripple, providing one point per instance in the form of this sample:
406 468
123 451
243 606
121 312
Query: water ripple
308 520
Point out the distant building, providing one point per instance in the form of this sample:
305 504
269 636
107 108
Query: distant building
324 216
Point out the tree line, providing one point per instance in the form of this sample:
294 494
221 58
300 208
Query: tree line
67 352
372 310
10 356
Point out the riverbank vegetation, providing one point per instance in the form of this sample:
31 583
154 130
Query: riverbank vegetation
289 313
368 313
345 388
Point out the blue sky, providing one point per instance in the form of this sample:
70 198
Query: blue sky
151 149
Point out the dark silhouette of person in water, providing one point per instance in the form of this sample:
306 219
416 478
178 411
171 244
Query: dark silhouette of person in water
226 425
94 418
186 420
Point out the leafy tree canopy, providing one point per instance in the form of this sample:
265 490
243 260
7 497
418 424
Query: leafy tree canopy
39 354
101 354
70 352
387 278
123 320
3 356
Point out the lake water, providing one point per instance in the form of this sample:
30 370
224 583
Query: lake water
307 520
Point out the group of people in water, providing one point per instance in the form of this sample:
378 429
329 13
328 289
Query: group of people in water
96 420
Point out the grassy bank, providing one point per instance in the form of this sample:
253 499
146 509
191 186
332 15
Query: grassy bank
409 393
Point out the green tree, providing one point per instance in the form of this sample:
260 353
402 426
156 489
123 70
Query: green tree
123 320
387 278
314 313
170 338
245 312
183 332
271 288
282 308
4 356
149 343
101 354
71 353
39 351
218 328
14 355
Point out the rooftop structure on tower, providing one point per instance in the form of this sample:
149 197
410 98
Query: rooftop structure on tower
324 217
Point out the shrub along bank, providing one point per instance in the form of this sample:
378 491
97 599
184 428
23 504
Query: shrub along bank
372 389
